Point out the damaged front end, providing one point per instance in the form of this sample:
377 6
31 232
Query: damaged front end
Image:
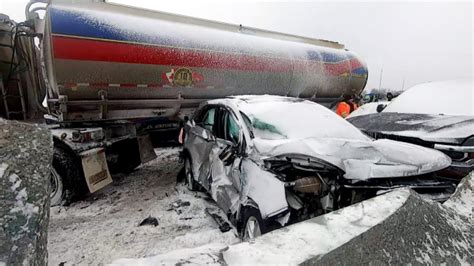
314 187
311 185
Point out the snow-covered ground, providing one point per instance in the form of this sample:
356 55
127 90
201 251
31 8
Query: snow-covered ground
104 227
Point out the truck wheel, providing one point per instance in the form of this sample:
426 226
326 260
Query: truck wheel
188 173
57 188
67 178
253 225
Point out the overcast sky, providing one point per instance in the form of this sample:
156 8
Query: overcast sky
412 41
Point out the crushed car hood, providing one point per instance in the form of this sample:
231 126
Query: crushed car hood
360 160
431 128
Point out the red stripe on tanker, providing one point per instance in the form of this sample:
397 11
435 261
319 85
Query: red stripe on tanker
108 45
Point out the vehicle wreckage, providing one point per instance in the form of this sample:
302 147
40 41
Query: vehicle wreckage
269 161
445 122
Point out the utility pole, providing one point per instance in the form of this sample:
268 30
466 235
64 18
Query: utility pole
403 84
380 81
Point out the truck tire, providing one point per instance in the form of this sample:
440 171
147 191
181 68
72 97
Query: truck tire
69 182
57 188
188 174
252 224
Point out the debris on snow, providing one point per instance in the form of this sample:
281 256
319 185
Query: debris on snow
109 214
224 226
149 221
177 205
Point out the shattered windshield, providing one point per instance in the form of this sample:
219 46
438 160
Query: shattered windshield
282 119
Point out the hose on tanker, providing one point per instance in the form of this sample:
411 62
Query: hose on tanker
14 33
32 2
24 64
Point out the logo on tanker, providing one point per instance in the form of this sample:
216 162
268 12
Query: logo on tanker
182 76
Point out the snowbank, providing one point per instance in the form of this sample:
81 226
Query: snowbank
461 200
420 232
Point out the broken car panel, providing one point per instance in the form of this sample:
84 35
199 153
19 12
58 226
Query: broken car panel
276 160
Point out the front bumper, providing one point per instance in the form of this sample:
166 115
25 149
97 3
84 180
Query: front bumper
433 187
462 160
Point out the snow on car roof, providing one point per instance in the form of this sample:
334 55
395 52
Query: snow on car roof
278 117
368 108
451 97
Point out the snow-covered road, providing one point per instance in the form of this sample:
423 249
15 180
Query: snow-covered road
104 226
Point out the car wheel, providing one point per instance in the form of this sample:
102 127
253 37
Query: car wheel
253 225
188 173
57 188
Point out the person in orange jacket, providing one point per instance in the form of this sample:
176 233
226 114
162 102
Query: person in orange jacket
346 106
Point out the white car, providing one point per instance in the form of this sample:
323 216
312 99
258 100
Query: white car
268 161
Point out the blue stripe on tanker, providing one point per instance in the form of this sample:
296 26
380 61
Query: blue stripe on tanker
66 22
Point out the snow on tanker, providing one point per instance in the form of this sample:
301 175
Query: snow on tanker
114 74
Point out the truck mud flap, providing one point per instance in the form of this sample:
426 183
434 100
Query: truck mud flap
95 169
145 147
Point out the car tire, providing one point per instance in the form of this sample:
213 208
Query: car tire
252 224
191 184
69 179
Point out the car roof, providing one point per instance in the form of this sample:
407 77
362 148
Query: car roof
249 99
450 97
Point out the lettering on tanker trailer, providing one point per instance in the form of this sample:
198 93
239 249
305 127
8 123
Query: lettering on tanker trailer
131 59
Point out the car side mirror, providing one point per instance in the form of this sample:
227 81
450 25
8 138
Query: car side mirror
380 107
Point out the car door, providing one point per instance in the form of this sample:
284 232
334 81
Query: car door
225 162
201 139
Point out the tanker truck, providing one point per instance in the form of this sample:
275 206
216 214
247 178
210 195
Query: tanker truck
104 77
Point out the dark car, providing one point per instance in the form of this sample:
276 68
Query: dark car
437 115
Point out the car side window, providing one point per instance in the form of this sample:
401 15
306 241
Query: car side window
232 128
208 119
